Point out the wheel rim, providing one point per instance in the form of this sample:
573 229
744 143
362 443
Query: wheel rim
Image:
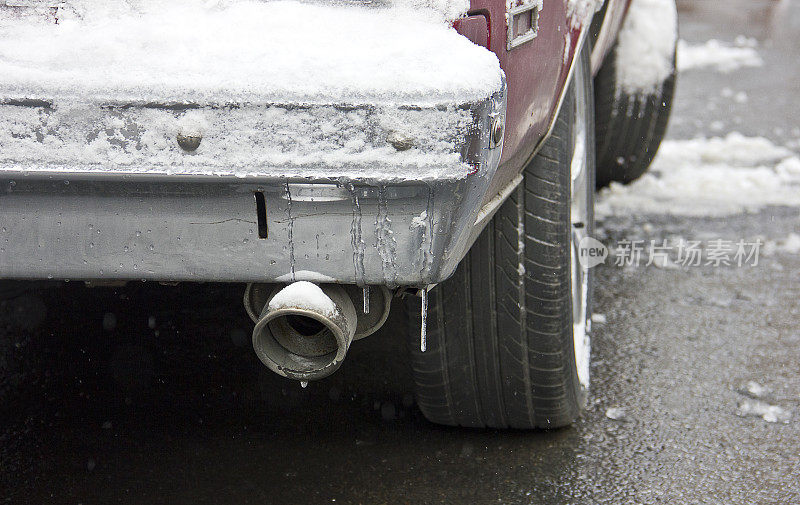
579 221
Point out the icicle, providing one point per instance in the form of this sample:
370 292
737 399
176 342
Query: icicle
290 229
303 384
366 299
423 336
357 240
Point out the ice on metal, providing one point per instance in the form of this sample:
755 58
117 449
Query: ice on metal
423 332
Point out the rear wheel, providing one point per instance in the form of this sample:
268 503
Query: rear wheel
507 342
629 126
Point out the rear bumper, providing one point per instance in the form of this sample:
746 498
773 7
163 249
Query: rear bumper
116 198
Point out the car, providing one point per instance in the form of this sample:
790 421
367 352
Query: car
336 157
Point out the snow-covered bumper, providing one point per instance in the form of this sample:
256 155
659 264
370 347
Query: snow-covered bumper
379 194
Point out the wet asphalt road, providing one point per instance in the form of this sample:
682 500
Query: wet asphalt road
150 394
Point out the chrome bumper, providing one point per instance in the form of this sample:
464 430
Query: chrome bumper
274 215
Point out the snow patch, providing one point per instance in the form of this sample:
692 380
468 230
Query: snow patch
420 221
709 177
304 295
243 141
758 408
305 275
754 390
717 55
646 46
617 414
225 52
789 245
580 12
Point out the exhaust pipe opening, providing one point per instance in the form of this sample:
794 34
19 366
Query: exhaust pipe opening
305 331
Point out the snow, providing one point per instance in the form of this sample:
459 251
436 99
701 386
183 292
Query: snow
754 390
617 414
758 408
710 177
245 52
599 318
303 295
646 46
246 141
717 55
420 221
304 275
271 89
580 12
791 244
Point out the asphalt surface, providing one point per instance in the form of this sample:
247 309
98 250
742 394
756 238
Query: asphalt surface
150 394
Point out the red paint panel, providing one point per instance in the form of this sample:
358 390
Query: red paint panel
535 72
475 28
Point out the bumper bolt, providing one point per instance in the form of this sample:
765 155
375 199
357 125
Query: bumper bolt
189 143
497 131
399 141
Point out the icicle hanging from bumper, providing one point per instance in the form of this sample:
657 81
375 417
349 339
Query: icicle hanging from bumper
423 333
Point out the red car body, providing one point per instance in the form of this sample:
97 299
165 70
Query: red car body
538 70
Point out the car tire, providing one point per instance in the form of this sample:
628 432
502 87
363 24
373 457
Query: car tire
629 128
501 333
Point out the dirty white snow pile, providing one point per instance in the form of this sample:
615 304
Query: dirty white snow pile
789 245
646 46
718 55
710 177
304 295
769 413
244 51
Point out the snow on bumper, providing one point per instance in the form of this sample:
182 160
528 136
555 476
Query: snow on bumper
373 194
216 141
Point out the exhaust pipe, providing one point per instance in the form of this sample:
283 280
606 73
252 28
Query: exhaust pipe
305 330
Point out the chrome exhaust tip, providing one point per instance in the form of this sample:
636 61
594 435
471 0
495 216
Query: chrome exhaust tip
304 331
